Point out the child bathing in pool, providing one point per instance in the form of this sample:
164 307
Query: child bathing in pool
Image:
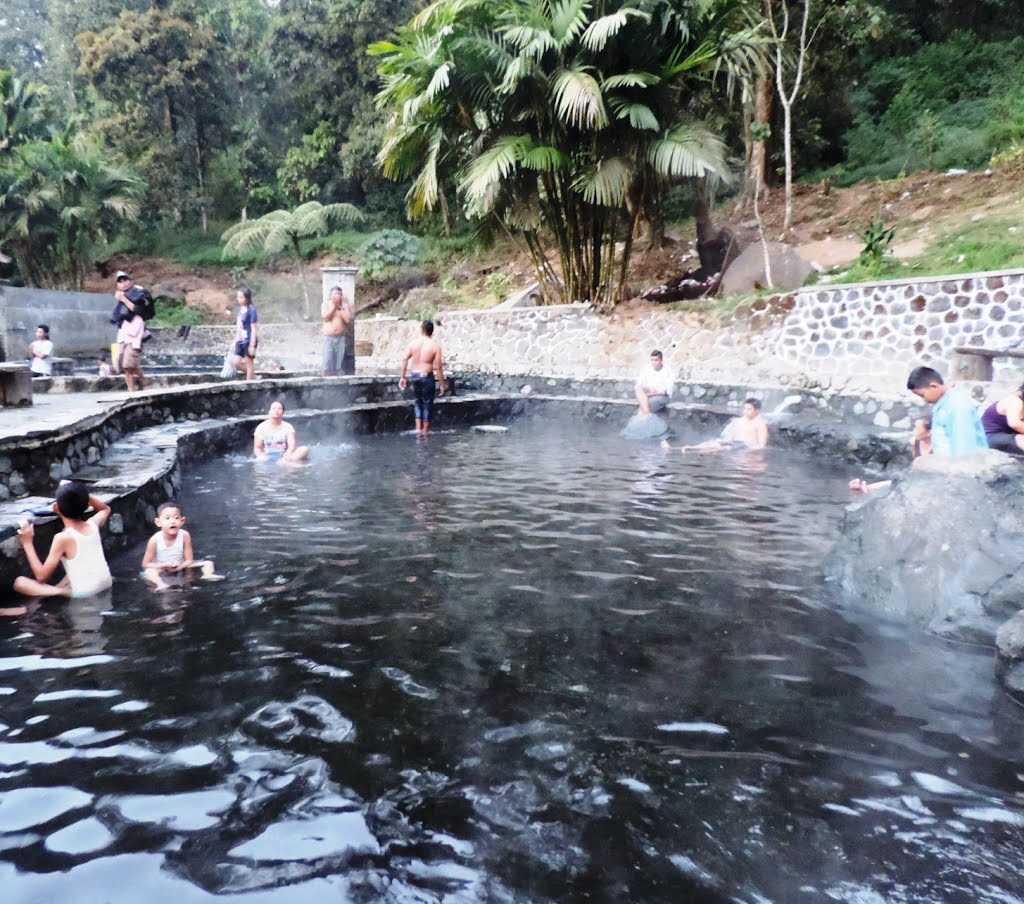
78 548
170 549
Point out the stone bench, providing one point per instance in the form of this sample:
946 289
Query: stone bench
974 363
15 385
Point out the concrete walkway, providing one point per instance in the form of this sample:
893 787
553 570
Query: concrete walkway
52 412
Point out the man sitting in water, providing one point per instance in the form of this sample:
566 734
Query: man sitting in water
654 386
956 426
274 439
747 432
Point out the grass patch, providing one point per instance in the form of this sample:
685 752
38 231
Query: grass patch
170 314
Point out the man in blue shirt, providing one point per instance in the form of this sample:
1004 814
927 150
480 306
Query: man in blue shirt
956 426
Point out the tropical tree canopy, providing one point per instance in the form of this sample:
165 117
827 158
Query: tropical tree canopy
562 122
281 230
58 199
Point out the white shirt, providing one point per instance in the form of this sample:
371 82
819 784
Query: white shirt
43 365
656 381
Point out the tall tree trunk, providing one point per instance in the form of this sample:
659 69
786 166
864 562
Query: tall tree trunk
756 181
446 216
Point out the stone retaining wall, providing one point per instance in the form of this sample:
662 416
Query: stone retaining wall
884 330
79 321
858 335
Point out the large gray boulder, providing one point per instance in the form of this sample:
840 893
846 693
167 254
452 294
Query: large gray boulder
746 273
942 549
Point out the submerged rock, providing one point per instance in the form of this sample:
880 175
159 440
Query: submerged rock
1010 655
645 426
942 548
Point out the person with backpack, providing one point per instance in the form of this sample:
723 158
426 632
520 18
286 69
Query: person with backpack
130 313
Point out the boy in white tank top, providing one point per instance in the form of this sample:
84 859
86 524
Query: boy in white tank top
170 549
78 548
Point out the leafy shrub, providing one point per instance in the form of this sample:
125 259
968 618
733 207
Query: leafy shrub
950 104
175 313
388 248
498 284
877 240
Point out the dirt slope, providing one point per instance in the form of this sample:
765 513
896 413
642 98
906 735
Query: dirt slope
827 224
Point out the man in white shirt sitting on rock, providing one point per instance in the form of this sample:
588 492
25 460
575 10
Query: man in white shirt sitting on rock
654 386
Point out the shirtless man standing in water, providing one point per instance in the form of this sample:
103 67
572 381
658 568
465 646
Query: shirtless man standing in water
425 354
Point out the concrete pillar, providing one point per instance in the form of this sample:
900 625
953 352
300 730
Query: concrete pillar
346 278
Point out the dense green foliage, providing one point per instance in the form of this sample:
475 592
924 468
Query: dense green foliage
200 112
561 124
952 104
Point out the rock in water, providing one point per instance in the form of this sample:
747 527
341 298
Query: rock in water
942 549
1010 655
645 426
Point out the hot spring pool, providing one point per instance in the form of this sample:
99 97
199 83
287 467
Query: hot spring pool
532 666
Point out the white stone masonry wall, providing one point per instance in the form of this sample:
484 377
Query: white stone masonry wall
884 330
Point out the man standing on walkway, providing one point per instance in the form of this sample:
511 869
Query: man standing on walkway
336 313
41 352
130 330
425 354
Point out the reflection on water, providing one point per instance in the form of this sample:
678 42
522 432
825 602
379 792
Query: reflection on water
502 667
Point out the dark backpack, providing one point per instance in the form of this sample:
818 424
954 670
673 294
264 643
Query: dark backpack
145 307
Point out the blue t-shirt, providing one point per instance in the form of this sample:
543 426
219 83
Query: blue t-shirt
956 426
246 318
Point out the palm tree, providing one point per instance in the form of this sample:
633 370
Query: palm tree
19 111
58 199
282 229
562 120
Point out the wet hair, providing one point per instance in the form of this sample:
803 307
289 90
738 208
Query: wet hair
339 290
45 327
124 277
164 506
246 293
277 402
72 499
428 327
657 353
756 403
920 377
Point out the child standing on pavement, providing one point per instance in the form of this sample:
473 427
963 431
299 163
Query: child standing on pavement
170 549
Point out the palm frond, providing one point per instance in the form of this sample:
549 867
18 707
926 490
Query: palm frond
542 158
578 99
630 80
487 171
606 183
640 116
599 31
568 20
689 152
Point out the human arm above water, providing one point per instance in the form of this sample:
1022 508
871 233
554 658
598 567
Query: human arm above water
42 571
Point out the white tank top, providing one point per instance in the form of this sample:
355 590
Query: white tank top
173 554
87 571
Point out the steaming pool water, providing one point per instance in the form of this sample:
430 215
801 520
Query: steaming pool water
529 666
